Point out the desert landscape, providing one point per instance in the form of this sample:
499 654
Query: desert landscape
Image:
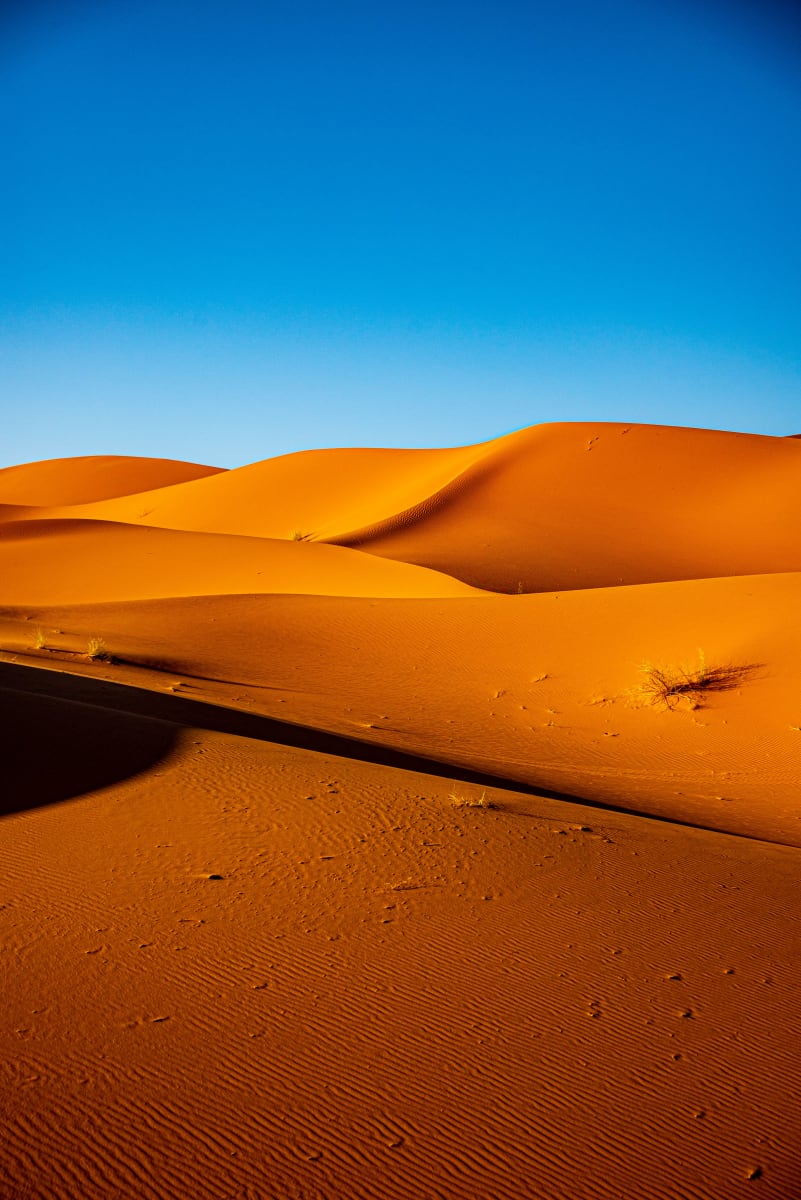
404 824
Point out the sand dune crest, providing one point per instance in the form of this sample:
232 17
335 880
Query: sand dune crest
60 481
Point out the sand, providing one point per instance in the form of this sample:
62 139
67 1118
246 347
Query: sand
359 861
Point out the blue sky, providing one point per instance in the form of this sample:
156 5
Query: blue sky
236 229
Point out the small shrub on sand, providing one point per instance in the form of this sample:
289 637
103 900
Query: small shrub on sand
40 641
96 649
667 687
482 801
299 536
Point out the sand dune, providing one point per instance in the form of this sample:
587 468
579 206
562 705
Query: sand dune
318 493
15 512
340 872
542 689
63 561
60 481
580 506
549 508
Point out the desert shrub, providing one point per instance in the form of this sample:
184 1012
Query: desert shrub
482 801
667 687
96 649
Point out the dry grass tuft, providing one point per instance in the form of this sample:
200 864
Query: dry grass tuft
40 641
298 535
667 687
482 801
96 650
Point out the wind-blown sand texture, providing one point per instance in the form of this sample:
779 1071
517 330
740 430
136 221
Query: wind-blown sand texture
359 861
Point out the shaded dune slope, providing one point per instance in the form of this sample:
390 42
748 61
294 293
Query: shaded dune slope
15 512
56 748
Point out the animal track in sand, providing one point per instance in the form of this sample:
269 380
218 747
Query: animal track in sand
139 1022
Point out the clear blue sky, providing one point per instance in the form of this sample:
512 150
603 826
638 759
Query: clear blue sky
233 229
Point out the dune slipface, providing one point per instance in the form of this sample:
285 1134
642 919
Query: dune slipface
399 824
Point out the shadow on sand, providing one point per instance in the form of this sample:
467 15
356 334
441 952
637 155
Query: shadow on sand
71 734
56 747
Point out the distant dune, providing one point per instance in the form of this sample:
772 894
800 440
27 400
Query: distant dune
84 480
549 508
401 824
67 561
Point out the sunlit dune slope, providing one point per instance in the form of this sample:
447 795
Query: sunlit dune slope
539 689
78 561
549 508
317 493
58 481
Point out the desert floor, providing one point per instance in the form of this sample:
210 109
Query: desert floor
346 853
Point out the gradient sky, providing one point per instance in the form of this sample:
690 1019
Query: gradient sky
233 229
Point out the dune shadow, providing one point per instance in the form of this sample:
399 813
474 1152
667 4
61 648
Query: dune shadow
95 733
74 733
57 748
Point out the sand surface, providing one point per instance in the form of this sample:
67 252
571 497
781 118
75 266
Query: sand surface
360 861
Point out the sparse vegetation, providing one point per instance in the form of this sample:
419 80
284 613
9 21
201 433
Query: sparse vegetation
667 687
96 649
40 641
299 536
482 801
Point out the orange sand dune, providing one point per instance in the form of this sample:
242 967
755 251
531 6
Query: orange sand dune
332 875
596 505
60 481
538 689
16 512
64 561
318 493
549 508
